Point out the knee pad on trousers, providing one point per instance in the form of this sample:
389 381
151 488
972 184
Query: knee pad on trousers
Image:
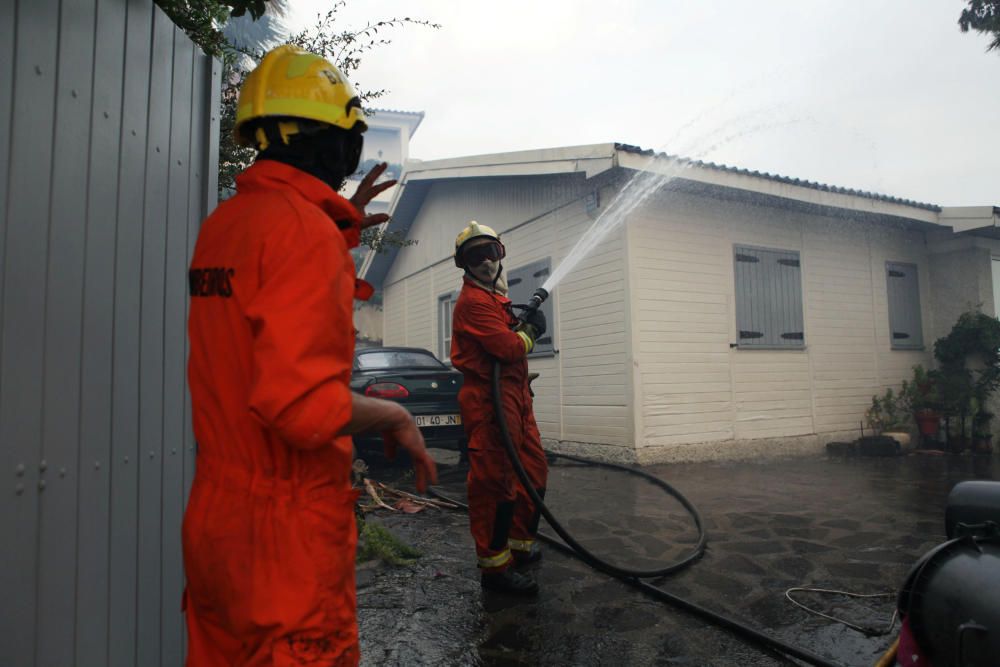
502 521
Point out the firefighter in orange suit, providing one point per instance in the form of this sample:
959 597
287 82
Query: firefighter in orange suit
502 517
269 531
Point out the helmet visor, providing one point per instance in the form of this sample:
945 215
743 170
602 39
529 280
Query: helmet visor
478 254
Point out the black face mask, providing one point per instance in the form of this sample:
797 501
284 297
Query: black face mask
331 154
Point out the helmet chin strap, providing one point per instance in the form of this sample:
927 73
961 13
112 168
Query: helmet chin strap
496 278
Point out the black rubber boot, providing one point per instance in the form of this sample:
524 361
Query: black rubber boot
509 581
525 558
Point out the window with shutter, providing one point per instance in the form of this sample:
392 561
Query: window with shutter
768 298
903 293
522 282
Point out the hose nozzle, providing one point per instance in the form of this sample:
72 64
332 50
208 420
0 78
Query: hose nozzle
536 300
534 303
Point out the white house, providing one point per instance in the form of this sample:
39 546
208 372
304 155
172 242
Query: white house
387 140
736 313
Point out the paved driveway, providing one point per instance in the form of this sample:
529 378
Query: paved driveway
850 524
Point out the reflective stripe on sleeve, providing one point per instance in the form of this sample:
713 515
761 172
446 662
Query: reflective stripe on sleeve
529 344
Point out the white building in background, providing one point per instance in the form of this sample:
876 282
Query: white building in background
736 314
387 140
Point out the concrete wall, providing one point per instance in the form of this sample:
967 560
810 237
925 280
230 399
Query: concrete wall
698 397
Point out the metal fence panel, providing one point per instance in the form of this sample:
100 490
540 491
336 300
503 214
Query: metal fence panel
182 116
154 223
200 191
7 21
108 145
94 507
128 270
23 320
63 308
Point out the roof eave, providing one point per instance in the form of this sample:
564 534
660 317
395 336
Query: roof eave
590 159
788 189
972 219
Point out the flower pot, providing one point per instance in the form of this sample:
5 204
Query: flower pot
928 423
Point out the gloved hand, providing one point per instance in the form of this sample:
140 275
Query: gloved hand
534 324
404 433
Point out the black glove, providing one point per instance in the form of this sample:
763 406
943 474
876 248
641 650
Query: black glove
536 320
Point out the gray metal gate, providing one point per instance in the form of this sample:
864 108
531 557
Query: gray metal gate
108 120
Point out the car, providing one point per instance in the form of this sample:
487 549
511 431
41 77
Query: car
420 382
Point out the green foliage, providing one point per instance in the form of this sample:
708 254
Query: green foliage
375 541
888 412
201 19
983 16
381 240
969 367
920 393
256 7
344 48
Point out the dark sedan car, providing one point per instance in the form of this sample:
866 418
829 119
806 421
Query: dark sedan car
415 379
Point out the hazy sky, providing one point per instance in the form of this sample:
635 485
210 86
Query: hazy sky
878 95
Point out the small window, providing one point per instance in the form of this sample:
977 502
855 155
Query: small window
768 298
522 283
903 291
446 306
394 359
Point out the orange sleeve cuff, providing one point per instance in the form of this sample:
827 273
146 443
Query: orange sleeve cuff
315 419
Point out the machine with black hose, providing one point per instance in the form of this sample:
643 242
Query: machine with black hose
950 601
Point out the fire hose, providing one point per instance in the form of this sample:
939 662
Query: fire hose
633 578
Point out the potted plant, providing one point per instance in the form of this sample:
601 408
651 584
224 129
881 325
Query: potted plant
982 438
888 416
920 399
969 373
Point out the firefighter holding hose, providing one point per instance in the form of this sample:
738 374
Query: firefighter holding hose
502 517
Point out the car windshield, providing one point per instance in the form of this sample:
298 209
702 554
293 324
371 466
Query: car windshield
384 359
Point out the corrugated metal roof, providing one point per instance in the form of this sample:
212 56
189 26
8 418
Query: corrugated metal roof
405 113
628 148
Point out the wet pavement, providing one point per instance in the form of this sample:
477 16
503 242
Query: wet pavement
853 524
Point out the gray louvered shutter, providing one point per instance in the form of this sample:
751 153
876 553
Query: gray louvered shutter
522 282
903 292
768 298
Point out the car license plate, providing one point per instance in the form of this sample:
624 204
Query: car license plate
424 421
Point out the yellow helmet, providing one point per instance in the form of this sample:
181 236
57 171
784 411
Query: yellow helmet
474 230
291 82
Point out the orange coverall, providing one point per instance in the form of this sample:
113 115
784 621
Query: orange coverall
269 534
501 514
